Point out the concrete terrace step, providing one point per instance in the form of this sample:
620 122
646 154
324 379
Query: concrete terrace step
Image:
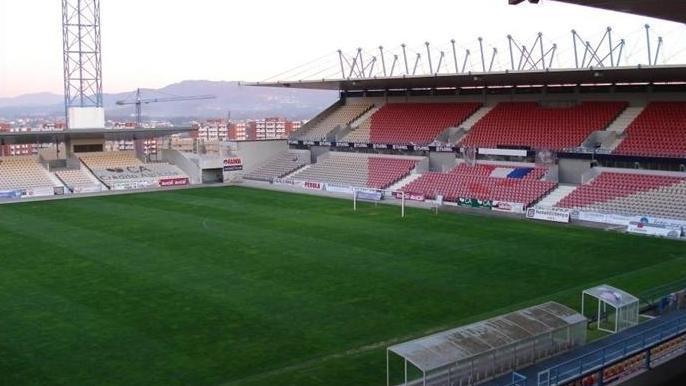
557 195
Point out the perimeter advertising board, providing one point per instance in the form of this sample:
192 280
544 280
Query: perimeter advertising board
548 214
233 164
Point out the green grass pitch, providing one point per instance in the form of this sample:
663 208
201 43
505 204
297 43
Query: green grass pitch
235 286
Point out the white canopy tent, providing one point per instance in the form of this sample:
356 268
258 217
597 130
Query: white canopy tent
616 308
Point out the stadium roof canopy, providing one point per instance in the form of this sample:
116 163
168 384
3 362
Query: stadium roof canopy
18 138
463 343
590 76
674 10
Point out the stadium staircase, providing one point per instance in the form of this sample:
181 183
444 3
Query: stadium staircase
404 182
556 196
314 121
359 129
476 117
620 124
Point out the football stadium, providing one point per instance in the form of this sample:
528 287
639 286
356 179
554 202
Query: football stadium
484 227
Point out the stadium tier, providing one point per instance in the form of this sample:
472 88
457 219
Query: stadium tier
530 125
123 170
23 173
660 130
361 134
110 159
75 178
416 123
631 194
277 167
340 116
357 170
520 185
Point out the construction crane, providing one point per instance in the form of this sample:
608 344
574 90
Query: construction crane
139 102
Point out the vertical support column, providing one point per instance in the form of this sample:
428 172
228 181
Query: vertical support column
481 48
576 53
407 68
340 59
452 43
650 55
428 55
383 60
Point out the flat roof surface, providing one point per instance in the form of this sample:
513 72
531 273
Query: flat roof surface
18 138
673 10
631 74
462 343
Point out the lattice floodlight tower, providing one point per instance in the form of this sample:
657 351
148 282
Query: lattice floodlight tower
83 102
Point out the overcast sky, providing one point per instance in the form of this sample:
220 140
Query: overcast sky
152 43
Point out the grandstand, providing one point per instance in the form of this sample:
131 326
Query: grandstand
631 194
659 131
278 166
531 125
341 116
25 173
416 123
358 170
486 182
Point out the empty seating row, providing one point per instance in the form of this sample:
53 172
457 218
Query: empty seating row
416 123
75 178
501 170
660 130
18 173
105 160
633 194
530 125
453 186
277 167
357 171
497 182
341 116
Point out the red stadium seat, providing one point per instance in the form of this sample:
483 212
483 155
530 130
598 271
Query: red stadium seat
659 131
528 124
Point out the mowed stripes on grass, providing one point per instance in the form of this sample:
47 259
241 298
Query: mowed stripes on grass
236 286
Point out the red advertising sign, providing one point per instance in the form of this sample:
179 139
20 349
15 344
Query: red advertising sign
312 185
410 196
233 164
174 181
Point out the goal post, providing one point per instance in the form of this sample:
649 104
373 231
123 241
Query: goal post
375 196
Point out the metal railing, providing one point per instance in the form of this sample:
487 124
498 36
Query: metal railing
593 361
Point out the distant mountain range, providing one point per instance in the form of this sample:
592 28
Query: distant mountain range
241 101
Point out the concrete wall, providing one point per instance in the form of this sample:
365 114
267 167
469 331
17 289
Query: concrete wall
571 170
252 154
317 151
189 167
442 162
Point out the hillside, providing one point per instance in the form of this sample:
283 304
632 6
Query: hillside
241 101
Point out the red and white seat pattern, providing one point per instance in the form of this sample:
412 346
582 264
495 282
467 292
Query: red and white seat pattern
660 130
476 182
528 124
384 172
357 170
635 194
416 123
